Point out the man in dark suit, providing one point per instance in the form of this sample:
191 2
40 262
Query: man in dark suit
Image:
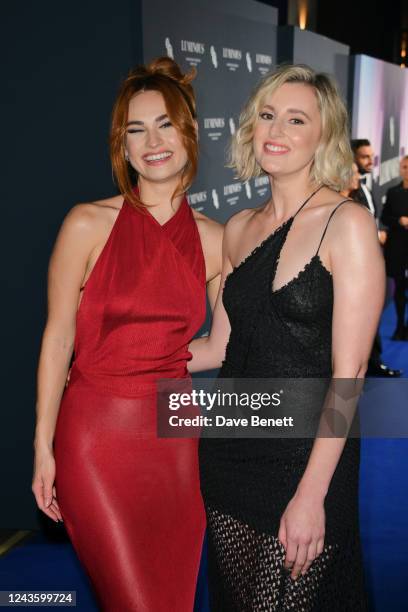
395 217
364 158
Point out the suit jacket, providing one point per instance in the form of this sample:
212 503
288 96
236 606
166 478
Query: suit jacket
360 196
396 247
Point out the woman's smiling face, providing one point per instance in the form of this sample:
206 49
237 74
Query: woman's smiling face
154 146
288 130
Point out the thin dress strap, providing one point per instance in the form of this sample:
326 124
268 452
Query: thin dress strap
307 200
328 221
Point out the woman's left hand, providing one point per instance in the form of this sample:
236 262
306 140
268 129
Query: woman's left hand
302 530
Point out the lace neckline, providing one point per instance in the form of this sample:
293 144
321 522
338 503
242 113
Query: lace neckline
315 259
275 231
260 246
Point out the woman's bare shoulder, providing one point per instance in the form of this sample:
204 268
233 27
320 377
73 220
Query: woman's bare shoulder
351 213
351 229
207 226
341 210
93 216
237 223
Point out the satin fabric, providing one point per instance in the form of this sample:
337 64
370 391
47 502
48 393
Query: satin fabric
130 500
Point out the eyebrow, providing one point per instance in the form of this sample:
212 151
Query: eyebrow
158 119
290 110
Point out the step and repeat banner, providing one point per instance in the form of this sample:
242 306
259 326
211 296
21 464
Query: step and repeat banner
230 54
321 53
380 113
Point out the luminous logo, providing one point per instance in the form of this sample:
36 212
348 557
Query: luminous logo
263 59
199 197
261 181
248 61
248 190
232 192
264 62
233 188
193 47
169 48
214 123
392 131
232 126
234 54
214 57
233 58
215 199
261 185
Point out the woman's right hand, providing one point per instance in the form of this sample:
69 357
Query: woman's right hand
82 233
43 485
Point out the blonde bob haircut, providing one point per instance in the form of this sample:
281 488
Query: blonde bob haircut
332 164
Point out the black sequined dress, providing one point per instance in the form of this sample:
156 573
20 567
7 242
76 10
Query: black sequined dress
247 483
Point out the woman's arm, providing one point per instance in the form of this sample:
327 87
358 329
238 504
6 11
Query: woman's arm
359 286
67 270
209 352
213 288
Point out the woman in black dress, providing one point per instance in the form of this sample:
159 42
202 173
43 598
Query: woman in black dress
302 292
395 217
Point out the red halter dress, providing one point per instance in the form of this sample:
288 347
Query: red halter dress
131 501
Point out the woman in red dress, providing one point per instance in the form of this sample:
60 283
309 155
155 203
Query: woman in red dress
127 284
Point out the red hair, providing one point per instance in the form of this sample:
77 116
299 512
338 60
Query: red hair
162 75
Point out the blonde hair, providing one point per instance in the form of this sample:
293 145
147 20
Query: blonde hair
333 157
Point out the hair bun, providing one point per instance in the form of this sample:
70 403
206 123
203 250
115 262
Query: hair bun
169 68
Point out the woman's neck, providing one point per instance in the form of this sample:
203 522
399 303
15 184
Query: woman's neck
159 197
288 193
